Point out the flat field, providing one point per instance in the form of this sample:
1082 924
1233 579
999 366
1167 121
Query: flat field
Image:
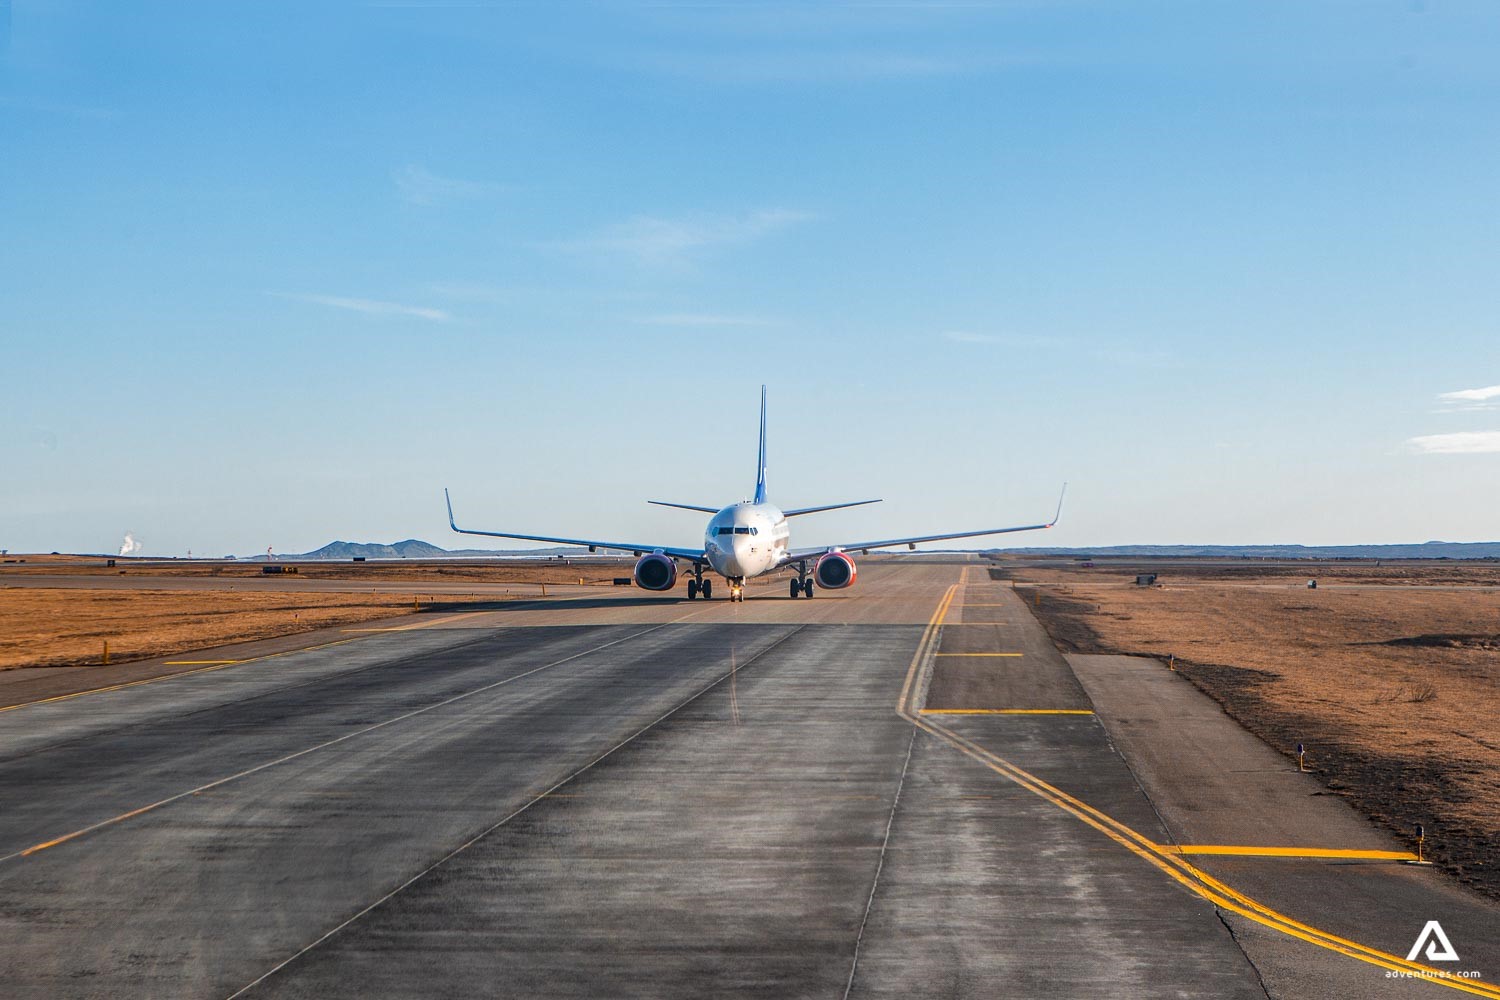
590 570
56 627
1389 675
45 627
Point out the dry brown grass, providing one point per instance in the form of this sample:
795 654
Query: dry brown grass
46 627
1395 691
591 571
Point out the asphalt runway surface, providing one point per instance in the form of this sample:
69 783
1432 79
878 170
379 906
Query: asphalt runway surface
901 789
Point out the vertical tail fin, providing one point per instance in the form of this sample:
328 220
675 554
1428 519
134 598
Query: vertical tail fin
760 470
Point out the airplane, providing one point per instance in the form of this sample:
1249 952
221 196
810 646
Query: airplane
749 539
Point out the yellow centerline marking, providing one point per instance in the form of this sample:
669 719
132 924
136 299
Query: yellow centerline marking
1007 711
1284 852
977 654
1187 875
197 663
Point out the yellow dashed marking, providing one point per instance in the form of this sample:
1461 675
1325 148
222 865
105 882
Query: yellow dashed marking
1169 860
1007 711
1284 852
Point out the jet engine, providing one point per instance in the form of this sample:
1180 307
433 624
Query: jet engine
834 571
655 572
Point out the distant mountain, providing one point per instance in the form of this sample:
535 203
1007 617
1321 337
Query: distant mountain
412 548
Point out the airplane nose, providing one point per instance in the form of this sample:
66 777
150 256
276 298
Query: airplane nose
738 550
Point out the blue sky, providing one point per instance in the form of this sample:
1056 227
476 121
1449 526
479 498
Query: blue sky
276 273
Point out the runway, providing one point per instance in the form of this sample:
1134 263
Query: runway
886 791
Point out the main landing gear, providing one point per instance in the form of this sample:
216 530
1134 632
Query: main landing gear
697 585
800 586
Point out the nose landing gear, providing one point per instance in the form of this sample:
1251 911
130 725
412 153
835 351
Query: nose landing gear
737 590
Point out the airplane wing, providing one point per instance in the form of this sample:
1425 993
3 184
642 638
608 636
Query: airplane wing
695 555
826 506
913 542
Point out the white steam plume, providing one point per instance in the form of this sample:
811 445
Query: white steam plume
130 546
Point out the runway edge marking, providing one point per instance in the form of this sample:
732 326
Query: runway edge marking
1192 878
211 665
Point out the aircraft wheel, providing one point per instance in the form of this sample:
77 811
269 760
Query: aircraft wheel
692 590
708 590
796 589
807 587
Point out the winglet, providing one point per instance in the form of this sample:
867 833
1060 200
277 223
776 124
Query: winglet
1058 515
760 470
449 499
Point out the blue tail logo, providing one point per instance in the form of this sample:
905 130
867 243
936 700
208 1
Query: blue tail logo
760 470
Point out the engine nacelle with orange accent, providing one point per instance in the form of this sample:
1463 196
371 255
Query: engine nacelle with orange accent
655 572
834 571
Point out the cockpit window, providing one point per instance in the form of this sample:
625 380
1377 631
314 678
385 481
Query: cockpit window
742 531
726 531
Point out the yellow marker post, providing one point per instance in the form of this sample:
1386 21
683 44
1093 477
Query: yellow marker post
106 652
1420 859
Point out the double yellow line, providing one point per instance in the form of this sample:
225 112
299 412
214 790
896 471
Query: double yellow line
1165 858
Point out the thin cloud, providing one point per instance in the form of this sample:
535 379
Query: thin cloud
1471 399
1000 339
370 307
1005 339
1459 443
1127 357
420 186
808 65
472 291
701 319
652 241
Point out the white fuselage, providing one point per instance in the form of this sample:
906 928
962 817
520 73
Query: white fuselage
746 539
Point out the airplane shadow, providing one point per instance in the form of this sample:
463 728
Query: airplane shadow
593 603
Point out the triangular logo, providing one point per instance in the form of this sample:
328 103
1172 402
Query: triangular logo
1438 947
